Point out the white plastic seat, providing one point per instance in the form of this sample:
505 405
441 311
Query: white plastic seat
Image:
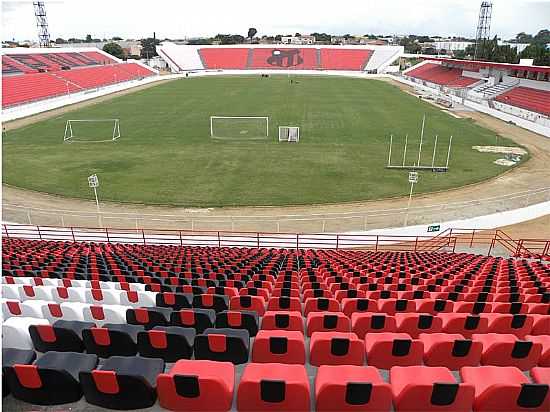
101 314
27 292
138 299
138 287
102 296
11 292
15 308
64 311
15 332
77 294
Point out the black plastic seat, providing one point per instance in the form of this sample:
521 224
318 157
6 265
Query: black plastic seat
51 380
62 336
148 317
11 356
112 340
123 383
223 345
198 319
168 343
239 320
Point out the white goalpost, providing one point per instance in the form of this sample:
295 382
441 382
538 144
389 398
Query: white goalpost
91 130
289 134
239 127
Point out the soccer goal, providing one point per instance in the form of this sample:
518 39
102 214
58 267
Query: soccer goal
289 134
239 128
92 130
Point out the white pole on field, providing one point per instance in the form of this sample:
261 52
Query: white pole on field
389 155
405 150
409 205
435 147
93 182
449 152
211 127
421 139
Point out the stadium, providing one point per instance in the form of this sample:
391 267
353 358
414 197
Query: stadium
290 222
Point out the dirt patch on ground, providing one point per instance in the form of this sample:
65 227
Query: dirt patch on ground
531 174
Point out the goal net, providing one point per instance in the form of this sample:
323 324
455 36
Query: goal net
239 128
289 134
92 130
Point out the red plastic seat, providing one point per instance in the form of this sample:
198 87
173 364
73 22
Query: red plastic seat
544 340
450 350
434 306
519 325
336 348
463 323
505 389
273 387
507 350
417 323
321 305
393 306
385 350
357 305
363 323
248 303
283 320
284 303
197 385
279 346
421 388
327 322
351 388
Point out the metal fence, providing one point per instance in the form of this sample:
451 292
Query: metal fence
449 240
362 219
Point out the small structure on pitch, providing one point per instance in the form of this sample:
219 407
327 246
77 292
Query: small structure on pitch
418 162
91 130
239 127
289 134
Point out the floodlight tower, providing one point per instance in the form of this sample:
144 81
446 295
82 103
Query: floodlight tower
41 23
483 28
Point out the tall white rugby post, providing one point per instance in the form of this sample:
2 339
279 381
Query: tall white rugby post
93 182
413 178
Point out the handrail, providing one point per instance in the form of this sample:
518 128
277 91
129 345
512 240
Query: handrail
445 241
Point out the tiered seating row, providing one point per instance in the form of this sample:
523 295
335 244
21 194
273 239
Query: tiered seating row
30 63
526 98
36 86
442 75
285 58
418 315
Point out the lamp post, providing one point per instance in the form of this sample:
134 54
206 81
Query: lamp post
413 178
93 182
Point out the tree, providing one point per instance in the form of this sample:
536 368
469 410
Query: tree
297 35
542 37
251 33
114 49
59 40
116 38
148 47
322 37
230 38
410 44
88 38
200 41
538 52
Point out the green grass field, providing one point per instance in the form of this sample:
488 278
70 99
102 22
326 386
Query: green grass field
166 155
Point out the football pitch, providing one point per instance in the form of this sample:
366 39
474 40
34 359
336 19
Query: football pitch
165 154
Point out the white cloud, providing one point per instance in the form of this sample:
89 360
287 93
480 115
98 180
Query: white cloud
177 19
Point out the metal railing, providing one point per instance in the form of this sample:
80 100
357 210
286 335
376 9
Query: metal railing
357 220
447 241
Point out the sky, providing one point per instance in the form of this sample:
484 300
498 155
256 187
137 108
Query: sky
204 18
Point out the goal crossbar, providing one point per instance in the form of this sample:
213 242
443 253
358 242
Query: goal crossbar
71 137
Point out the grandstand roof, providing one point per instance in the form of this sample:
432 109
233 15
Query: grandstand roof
480 65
